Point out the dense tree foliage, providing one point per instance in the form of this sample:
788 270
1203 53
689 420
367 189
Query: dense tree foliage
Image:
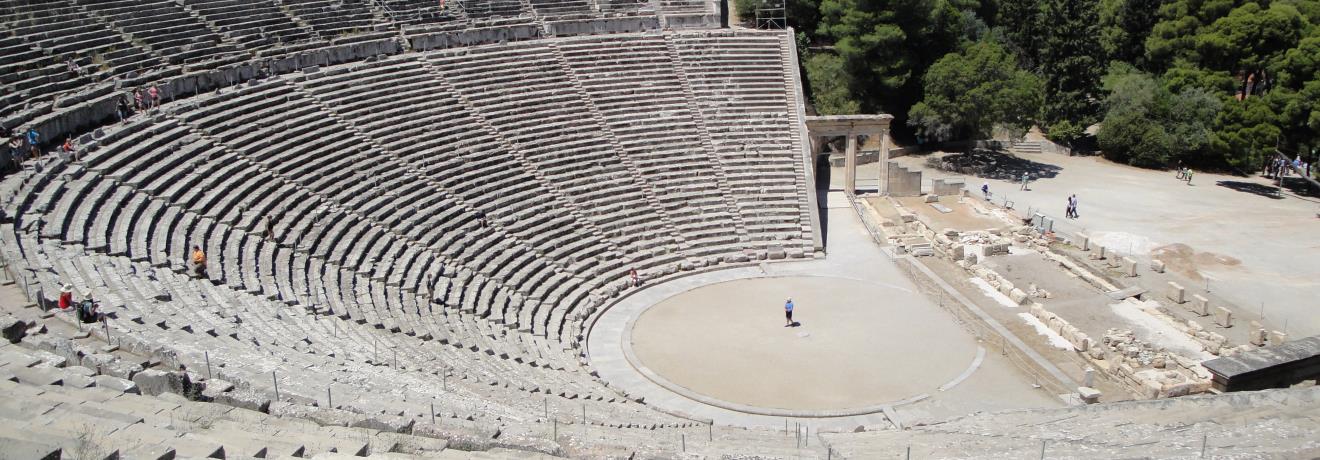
967 93
1147 124
1208 83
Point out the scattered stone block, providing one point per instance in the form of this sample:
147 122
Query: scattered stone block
13 329
1176 293
1130 266
1223 317
932 198
1200 305
1089 395
1100 253
1157 266
1083 242
1257 335
1017 296
1278 337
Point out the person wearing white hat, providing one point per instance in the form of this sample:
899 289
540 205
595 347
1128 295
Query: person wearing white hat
788 312
66 296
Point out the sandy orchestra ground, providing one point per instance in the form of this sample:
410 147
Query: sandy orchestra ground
858 343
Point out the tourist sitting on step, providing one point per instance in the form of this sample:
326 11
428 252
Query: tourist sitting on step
89 311
66 297
199 262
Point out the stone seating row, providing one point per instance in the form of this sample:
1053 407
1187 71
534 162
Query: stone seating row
481 9
165 27
542 126
92 404
181 246
226 322
332 17
46 34
741 85
380 230
562 7
642 101
253 24
423 12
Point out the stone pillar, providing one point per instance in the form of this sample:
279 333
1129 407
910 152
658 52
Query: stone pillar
883 184
850 166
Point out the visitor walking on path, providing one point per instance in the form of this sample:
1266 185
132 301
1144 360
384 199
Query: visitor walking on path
268 228
788 312
1025 177
1072 206
985 190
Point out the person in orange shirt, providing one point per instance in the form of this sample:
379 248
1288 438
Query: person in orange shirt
199 262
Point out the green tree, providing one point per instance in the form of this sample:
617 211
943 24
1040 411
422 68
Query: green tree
1124 26
1071 62
1247 132
1250 37
886 45
1147 125
830 85
1019 23
967 94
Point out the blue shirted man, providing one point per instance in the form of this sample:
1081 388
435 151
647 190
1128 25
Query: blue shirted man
788 312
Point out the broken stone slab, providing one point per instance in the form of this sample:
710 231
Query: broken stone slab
1176 293
108 364
78 381
1157 266
115 383
384 422
154 382
243 398
1278 337
320 415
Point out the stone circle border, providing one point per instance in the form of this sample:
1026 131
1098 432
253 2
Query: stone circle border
625 341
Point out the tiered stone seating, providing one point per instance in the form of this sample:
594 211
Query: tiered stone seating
254 24
467 208
521 91
421 12
685 7
561 7
738 81
481 9
57 408
44 35
400 104
626 7
333 17
642 102
165 27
